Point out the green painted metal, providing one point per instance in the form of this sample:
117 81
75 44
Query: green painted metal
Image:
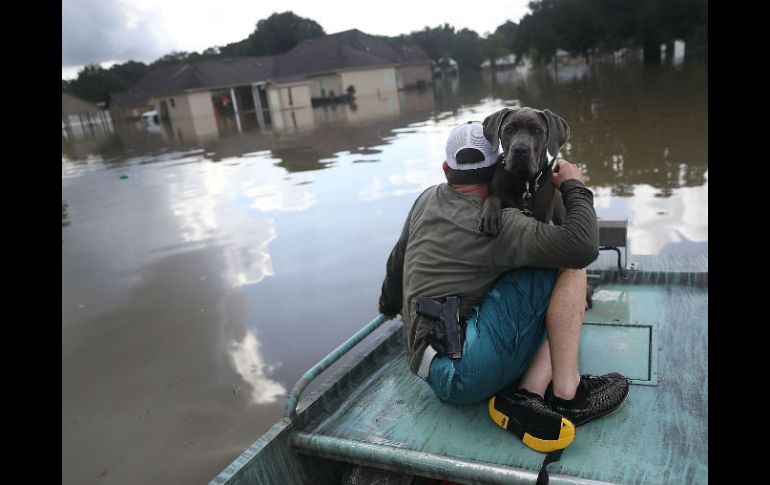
623 327
450 468
291 404
375 412
626 348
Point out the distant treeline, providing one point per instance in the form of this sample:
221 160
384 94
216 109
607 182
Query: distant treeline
580 27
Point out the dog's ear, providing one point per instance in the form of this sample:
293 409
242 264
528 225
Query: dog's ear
558 132
492 126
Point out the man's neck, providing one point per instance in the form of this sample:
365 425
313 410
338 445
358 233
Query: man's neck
479 190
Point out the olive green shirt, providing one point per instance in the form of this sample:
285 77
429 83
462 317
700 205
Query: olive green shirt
441 252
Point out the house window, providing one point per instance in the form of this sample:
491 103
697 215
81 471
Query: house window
291 101
173 104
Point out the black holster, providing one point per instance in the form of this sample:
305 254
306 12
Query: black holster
448 335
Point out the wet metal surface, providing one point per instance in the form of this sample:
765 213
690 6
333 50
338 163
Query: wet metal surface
202 277
378 414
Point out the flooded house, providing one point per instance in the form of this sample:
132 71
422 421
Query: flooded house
210 97
358 63
128 106
82 119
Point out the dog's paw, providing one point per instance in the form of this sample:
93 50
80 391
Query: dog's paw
490 223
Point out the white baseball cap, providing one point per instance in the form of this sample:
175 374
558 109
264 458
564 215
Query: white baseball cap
469 135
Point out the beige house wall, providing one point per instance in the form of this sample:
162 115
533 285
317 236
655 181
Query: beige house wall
293 112
199 104
186 105
73 105
370 81
201 111
331 82
408 76
192 115
179 109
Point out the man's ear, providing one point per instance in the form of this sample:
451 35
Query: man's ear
558 132
492 124
445 167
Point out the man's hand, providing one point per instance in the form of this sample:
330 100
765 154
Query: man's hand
563 170
382 310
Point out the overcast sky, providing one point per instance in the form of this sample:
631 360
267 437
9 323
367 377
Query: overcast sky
109 31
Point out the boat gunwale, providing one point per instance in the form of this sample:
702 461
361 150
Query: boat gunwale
652 270
427 464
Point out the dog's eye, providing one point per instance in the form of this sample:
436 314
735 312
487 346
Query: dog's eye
508 130
538 131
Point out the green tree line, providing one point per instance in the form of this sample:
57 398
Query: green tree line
580 27
274 35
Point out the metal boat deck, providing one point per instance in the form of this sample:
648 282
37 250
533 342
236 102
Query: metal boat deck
651 327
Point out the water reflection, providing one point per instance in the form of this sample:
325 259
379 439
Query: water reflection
64 218
279 197
201 210
676 224
161 368
659 226
631 125
194 266
250 364
570 73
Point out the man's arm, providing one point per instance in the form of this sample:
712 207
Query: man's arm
391 298
525 241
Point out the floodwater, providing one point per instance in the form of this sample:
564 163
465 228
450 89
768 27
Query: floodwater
202 277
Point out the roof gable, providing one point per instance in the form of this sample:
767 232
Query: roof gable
350 49
205 73
71 104
346 50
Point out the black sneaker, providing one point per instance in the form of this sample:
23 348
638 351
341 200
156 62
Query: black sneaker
596 396
525 414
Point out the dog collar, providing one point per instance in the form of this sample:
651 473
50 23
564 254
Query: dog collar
526 197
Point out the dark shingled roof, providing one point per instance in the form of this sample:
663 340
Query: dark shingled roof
128 100
344 50
207 73
71 104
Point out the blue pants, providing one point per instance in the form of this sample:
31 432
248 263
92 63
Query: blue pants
503 334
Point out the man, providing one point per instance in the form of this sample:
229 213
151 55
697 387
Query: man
510 290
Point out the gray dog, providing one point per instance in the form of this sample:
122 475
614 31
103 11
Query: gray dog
531 139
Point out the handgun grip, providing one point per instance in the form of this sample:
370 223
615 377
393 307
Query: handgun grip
428 308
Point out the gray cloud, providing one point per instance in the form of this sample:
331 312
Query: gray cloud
95 31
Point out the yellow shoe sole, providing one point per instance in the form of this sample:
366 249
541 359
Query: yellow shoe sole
566 433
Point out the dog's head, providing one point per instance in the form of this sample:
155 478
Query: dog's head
526 135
